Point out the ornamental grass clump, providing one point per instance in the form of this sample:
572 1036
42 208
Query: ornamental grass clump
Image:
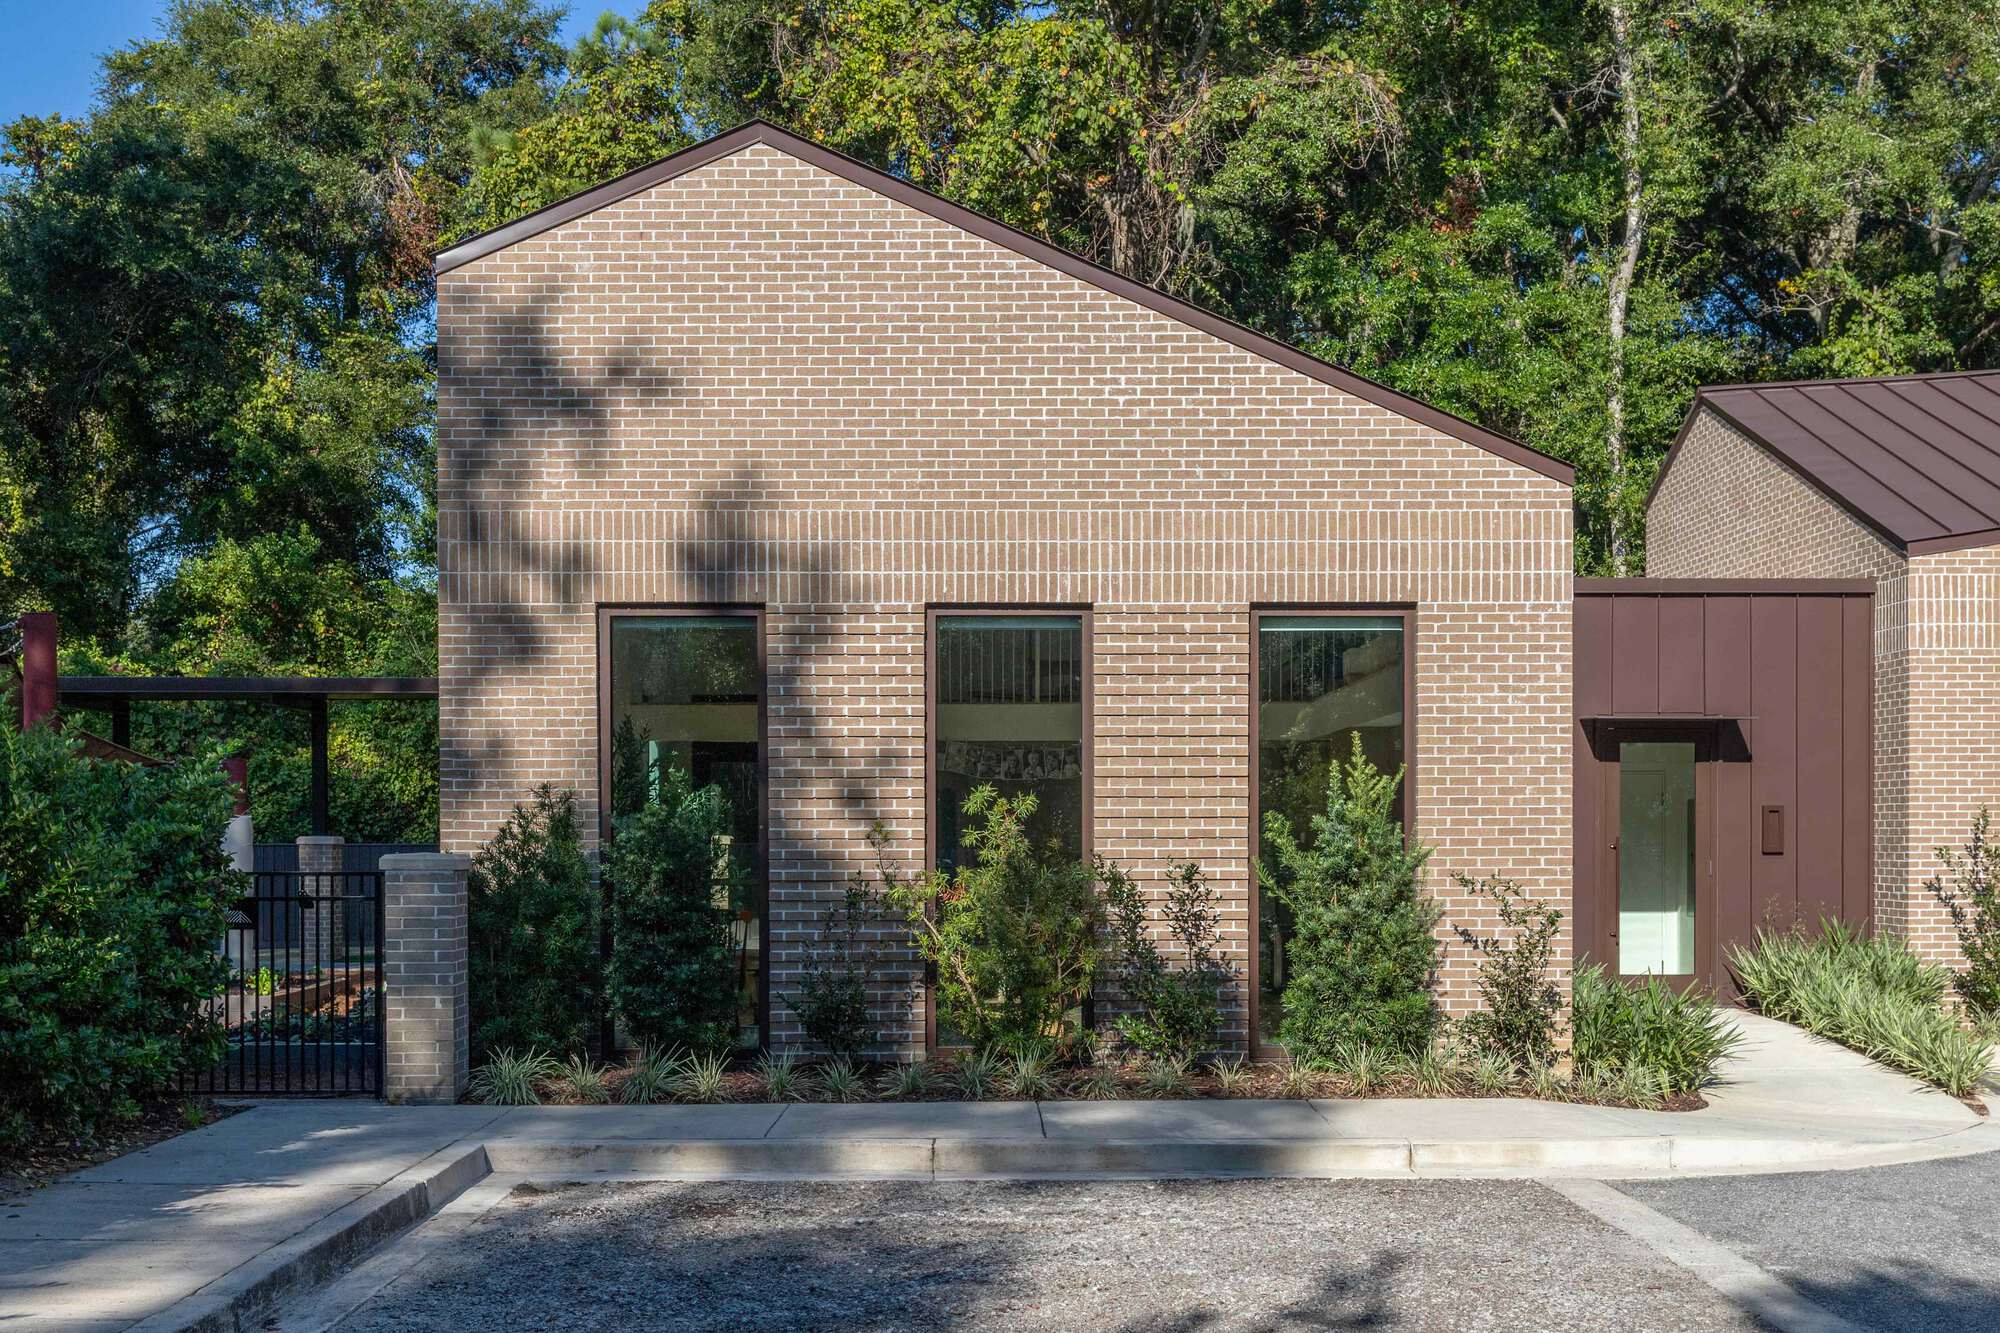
651 1077
1681 1036
1363 947
700 1078
580 1083
1868 993
1015 938
508 1079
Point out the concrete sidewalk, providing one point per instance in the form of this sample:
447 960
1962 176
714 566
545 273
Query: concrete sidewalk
223 1220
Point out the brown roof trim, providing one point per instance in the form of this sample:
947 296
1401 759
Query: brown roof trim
1702 400
1593 587
1957 541
991 229
271 689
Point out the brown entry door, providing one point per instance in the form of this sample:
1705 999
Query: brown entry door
1659 861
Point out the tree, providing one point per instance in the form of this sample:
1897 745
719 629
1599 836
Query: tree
1363 944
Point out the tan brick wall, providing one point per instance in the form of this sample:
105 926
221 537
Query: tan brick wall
1954 720
1729 510
762 383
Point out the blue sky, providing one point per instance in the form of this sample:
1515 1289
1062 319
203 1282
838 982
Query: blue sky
49 48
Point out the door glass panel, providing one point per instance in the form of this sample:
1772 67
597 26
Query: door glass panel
1009 700
1656 857
686 693
1321 680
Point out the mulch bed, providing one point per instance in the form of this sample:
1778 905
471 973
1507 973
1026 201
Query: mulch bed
44 1163
742 1086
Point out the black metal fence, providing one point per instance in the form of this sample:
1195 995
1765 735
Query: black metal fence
301 1011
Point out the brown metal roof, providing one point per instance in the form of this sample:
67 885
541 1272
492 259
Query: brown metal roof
1021 243
1915 457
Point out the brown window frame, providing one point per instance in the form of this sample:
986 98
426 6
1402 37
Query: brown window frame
955 610
607 615
1403 611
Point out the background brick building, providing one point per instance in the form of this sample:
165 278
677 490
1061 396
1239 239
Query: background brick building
1895 480
761 377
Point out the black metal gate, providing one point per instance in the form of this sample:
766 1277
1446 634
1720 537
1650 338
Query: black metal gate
301 1011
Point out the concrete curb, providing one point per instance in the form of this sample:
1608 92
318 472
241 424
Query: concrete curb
917 1158
236 1301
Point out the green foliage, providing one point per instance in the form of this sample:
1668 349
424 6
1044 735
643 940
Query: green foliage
831 997
674 894
1972 897
112 890
1521 1005
1015 937
1363 950
1681 1037
699 1078
1176 1012
651 1077
580 1083
1870 993
510 1079
838 1080
533 916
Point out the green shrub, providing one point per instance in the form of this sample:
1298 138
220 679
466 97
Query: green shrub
1175 1012
1868 993
1681 1037
1015 938
674 898
831 996
507 1079
1973 898
1362 947
533 914
113 886
1522 1005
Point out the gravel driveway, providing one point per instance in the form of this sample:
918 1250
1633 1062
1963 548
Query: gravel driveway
1250 1254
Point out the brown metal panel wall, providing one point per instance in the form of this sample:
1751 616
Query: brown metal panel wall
1786 671
1726 622
1591 684
1681 655
1773 734
1814 823
1635 654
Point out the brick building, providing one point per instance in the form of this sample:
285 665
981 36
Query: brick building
764 463
1892 480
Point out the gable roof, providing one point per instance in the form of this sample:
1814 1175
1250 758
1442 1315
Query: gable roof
859 173
1914 457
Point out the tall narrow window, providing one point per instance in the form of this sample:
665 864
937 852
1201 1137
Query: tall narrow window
1656 857
1008 700
687 692
1321 681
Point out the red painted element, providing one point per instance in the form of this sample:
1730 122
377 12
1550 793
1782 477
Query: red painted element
38 668
237 769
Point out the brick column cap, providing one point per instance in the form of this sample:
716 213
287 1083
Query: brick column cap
421 861
320 840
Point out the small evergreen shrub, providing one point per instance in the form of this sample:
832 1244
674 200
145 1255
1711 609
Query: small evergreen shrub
113 888
674 900
1969 888
1681 1036
831 999
532 911
1362 949
1521 1014
1015 938
1868 993
1175 1011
